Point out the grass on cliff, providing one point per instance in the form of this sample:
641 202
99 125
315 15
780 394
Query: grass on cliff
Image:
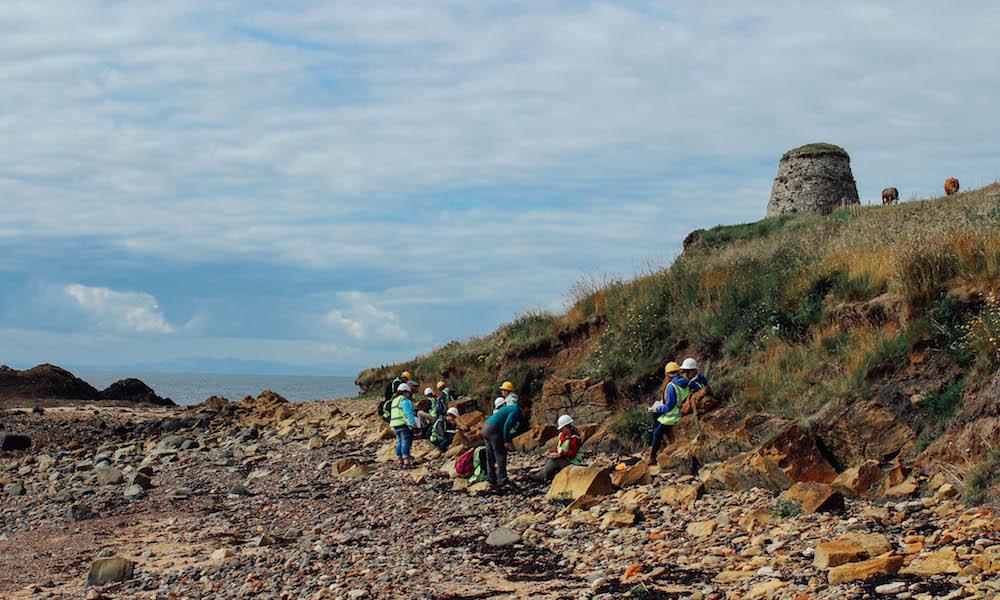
765 302
981 484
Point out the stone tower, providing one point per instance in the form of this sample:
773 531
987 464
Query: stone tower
815 178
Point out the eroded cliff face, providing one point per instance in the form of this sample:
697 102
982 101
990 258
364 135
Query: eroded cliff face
975 431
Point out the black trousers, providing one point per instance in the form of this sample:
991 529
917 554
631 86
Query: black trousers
496 455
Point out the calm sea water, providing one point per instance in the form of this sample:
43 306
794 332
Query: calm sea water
192 388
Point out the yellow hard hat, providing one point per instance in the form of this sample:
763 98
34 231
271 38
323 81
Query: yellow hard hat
671 367
507 386
440 384
406 375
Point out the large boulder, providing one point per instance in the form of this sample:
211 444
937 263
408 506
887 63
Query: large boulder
535 437
859 480
133 390
814 497
631 475
788 457
883 436
575 481
588 401
815 178
44 382
471 421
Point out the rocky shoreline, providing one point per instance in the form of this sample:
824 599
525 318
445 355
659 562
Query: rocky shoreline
267 499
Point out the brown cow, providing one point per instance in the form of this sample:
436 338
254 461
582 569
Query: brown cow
950 186
890 196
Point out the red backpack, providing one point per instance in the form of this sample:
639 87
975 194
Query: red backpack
464 465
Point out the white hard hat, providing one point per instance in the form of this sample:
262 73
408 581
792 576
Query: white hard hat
563 421
498 403
403 388
689 364
428 391
453 411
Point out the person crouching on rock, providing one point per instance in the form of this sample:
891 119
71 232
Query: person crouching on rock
497 433
444 429
668 409
566 453
402 420
508 394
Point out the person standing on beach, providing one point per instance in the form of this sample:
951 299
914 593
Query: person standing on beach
402 420
497 433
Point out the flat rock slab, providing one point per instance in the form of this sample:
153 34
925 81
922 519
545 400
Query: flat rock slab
108 570
502 536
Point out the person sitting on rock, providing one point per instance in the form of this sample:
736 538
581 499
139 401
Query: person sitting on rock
497 433
424 406
508 394
668 409
402 420
439 406
696 380
566 453
444 429
447 393
392 386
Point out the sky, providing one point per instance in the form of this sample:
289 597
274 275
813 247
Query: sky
322 186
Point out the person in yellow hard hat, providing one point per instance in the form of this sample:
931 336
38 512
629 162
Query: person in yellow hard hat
508 394
392 386
447 394
668 409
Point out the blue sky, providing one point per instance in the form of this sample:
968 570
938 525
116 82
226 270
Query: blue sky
330 185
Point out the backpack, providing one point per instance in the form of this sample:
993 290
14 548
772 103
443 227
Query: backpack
478 465
464 465
384 409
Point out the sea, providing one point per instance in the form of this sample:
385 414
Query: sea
191 388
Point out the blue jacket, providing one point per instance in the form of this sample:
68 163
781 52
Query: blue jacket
506 418
670 394
699 382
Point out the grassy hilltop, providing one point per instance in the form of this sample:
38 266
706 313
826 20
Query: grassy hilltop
789 313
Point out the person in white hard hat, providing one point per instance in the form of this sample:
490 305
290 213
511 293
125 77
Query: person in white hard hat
566 453
696 381
402 420
444 429
498 403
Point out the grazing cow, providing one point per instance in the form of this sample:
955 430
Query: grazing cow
950 186
890 196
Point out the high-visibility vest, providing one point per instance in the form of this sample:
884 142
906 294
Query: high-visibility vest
564 447
672 416
397 416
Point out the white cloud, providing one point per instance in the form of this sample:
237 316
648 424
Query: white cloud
124 312
529 143
364 322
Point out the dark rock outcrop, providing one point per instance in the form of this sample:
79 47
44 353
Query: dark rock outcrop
49 382
12 442
133 390
44 382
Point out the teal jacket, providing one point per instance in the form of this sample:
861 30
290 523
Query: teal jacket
506 417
